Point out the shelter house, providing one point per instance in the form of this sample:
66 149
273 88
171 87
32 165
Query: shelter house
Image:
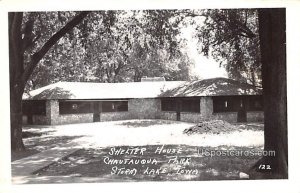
152 98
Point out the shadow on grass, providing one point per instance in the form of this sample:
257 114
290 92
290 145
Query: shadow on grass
250 126
145 123
49 142
20 155
39 142
28 134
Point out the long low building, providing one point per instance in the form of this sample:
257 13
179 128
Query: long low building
84 102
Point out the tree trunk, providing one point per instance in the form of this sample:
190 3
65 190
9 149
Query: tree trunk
16 64
16 121
273 53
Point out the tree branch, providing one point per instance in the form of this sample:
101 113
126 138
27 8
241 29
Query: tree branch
192 14
238 26
35 58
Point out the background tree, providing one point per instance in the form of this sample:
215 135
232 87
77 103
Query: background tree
230 36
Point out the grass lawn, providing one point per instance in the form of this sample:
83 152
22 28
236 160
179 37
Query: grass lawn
96 141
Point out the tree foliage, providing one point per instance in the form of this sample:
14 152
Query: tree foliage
114 46
231 37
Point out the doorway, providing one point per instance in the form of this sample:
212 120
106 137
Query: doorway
96 114
242 113
178 109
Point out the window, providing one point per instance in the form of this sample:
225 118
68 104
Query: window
190 105
37 107
168 104
75 107
114 106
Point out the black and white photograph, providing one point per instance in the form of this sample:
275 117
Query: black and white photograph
148 95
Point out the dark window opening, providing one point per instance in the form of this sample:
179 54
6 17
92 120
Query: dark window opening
255 103
190 105
34 107
75 107
236 103
168 105
186 105
80 107
114 106
227 104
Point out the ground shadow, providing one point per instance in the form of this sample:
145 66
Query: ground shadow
145 123
37 139
28 134
49 142
20 155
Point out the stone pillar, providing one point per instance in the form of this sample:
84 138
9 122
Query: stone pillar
144 108
53 111
206 107
48 112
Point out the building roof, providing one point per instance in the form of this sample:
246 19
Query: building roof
88 90
212 87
